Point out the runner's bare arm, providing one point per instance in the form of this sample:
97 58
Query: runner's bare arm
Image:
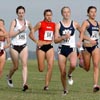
7 38
12 33
78 27
83 29
99 27
31 34
3 31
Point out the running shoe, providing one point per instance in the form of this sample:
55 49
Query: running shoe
46 88
9 82
70 80
96 88
65 92
25 87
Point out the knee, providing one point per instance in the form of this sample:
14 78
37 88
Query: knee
40 69
50 66
63 74
96 65
73 65
87 68
96 68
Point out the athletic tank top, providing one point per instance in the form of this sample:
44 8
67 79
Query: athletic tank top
20 38
71 30
46 31
92 32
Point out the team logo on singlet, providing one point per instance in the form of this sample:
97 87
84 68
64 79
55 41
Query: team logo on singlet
66 32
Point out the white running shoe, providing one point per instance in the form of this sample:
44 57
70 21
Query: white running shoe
70 80
9 82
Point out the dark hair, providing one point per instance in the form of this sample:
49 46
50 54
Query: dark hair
64 8
19 7
2 21
47 10
91 7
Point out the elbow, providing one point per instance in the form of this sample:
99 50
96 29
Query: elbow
30 36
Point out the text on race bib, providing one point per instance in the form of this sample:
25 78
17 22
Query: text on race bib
22 36
48 35
66 32
95 35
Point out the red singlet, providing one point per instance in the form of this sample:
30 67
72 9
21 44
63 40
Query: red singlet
46 31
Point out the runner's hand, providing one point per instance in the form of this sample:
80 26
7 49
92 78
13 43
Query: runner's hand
79 44
67 35
93 42
22 29
39 43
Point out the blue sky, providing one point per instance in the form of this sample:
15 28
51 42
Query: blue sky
35 8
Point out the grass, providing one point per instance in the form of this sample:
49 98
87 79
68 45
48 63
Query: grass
80 90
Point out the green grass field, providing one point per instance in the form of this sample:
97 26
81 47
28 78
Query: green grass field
80 90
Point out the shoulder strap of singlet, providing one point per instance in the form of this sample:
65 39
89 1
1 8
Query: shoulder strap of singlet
97 23
61 25
91 24
60 22
88 21
24 22
71 23
15 23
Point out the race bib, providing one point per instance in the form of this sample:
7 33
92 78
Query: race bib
1 45
21 37
67 32
48 35
95 35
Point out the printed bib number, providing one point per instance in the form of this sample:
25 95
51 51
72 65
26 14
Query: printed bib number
66 32
1 45
48 35
22 36
95 35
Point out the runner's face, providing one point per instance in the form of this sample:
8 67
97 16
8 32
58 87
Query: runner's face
66 13
21 13
92 13
48 16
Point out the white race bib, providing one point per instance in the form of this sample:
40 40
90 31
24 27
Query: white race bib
67 32
95 35
48 35
21 37
1 45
